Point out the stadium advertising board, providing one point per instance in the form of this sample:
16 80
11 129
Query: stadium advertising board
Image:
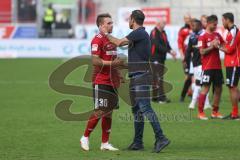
43 48
68 48
24 31
151 13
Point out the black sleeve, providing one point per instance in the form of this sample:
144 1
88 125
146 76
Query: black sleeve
164 48
168 44
188 51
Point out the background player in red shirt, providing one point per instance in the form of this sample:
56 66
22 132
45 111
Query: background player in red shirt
208 44
106 80
232 61
203 19
183 36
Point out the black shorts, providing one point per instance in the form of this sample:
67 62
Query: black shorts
214 76
232 76
105 97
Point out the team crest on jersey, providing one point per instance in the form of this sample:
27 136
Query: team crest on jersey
94 47
99 36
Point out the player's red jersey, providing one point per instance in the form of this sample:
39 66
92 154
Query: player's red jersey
106 75
183 35
232 56
211 60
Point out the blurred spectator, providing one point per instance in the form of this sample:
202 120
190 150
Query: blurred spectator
160 47
71 33
27 10
63 19
83 33
48 20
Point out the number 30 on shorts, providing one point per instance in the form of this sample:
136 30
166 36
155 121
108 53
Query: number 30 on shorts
100 102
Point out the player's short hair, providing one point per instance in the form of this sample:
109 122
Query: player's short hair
194 20
138 16
212 18
100 18
229 16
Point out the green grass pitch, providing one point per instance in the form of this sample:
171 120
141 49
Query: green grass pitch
30 130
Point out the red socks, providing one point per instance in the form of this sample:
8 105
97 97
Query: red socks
235 111
215 108
106 128
92 122
201 102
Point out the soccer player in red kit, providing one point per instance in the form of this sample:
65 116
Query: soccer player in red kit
208 44
106 80
183 36
232 61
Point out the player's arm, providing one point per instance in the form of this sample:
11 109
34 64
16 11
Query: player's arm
97 61
203 49
166 49
118 42
228 49
96 50
231 47
225 49
181 44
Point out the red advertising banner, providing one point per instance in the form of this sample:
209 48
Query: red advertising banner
5 11
152 14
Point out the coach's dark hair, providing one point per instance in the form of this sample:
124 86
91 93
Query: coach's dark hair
194 20
212 18
138 17
100 18
229 16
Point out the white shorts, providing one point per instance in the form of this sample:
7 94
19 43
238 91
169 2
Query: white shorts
197 72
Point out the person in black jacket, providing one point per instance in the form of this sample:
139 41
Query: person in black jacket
159 48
